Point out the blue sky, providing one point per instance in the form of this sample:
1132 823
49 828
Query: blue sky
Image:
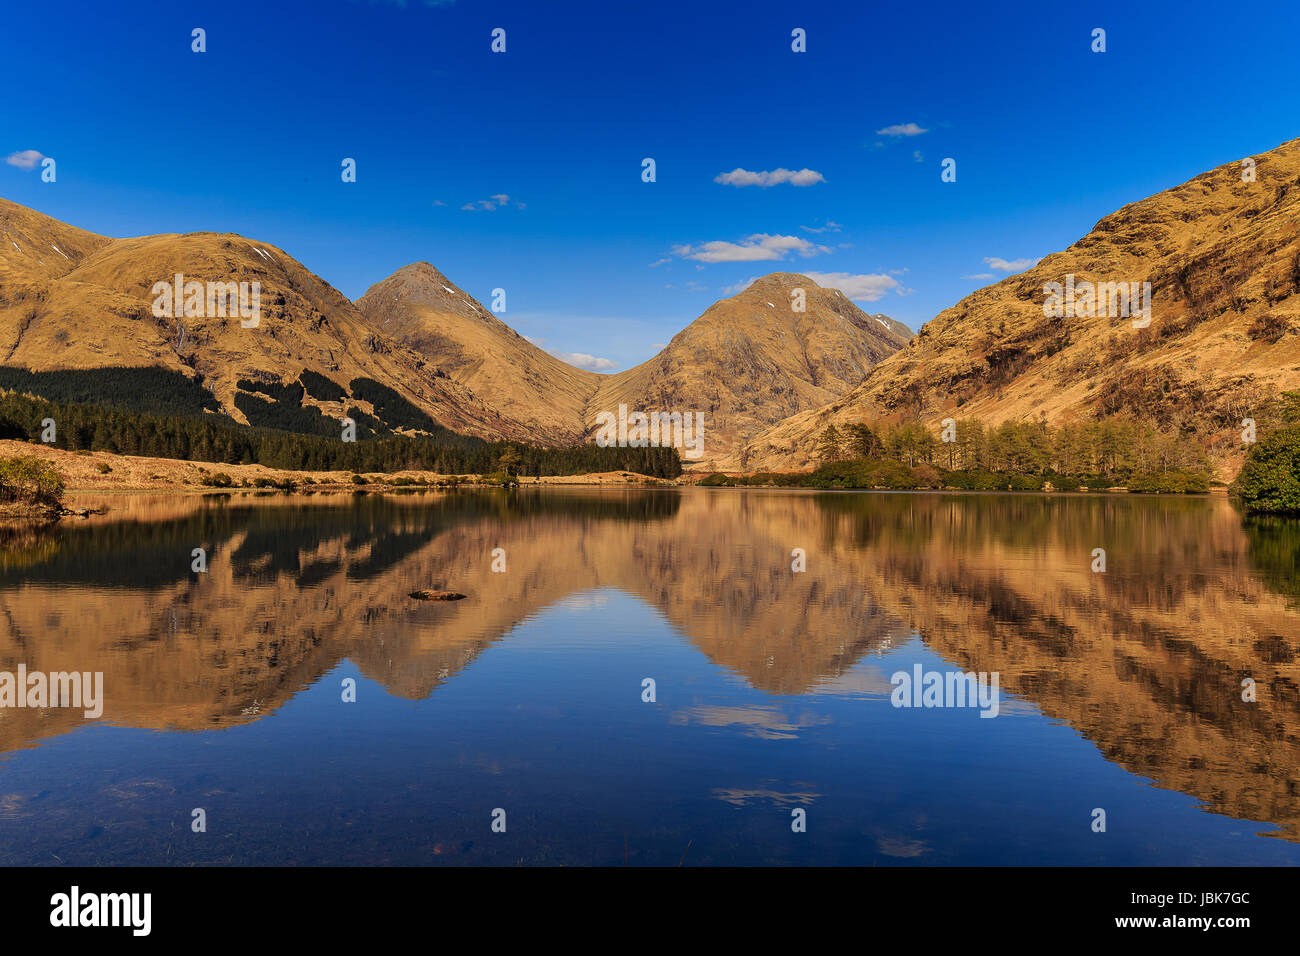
248 137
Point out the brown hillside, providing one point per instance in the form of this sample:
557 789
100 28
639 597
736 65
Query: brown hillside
1223 260
70 300
422 308
750 361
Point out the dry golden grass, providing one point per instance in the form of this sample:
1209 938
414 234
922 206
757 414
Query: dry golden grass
1223 260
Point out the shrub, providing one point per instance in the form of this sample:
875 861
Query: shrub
975 479
1168 483
219 480
1023 482
862 473
31 480
1269 481
1269 327
926 476
103 467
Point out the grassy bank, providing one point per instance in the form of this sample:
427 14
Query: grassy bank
869 474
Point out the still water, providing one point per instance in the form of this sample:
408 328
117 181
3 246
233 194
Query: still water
224 690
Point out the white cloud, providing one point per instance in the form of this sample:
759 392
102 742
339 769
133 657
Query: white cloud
493 202
1012 265
862 287
24 158
756 248
740 286
901 129
743 177
591 363
981 275
831 226
918 155
659 262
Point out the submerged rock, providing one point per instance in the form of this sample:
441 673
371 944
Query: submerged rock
427 595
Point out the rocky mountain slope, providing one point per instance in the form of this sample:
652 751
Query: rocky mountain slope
70 299
423 309
1222 256
751 361
73 300
748 362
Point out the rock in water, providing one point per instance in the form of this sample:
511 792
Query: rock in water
427 595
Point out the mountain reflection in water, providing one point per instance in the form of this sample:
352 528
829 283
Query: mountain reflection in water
1120 690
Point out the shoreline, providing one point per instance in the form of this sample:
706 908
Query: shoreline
101 471
98 472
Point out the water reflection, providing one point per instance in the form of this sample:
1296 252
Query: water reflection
1145 661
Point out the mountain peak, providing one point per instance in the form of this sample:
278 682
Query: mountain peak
423 309
420 284
777 283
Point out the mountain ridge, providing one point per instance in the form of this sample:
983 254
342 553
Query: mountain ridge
1222 256
717 364
782 345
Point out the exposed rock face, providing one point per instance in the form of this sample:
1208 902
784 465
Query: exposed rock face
72 300
1222 256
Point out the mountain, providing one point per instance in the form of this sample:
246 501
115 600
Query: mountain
423 309
748 362
1222 255
751 361
70 299
74 300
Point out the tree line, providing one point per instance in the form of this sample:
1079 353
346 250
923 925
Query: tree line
215 438
1110 448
